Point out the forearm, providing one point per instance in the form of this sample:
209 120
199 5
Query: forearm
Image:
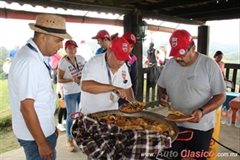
129 93
32 122
62 80
214 103
96 87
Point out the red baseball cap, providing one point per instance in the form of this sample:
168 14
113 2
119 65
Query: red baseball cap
70 43
121 48
102 34
179 41
130 37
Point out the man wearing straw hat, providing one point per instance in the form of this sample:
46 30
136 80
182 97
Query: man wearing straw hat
32 98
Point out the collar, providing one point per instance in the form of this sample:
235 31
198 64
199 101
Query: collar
40 55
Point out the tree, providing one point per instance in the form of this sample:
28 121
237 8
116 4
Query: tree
4 53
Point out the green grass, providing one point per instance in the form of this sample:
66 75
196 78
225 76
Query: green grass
4 100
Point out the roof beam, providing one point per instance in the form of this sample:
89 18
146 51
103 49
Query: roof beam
214 7
172 4
13 14
107 9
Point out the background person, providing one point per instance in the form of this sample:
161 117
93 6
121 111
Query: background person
152 54
103 39
162 55
13 51
218 59
69 74
85 50
6 66
132 64
193 84
102 75
62 112
54 60
32 98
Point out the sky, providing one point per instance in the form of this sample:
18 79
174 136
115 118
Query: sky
17 32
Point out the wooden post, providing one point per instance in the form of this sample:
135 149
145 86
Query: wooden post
130 24
203 39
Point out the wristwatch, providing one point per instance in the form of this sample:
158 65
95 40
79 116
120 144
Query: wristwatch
203 113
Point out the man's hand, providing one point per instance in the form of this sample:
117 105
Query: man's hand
120 92
197 116
45 150
163 100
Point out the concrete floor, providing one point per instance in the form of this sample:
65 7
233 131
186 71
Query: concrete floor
229 136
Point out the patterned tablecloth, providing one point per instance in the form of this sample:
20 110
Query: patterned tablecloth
99 140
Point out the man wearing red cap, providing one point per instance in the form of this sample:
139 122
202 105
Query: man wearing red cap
103 76
193 84
132 64
103 38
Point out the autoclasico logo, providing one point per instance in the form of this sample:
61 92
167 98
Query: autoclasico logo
185 154
167 154
196 154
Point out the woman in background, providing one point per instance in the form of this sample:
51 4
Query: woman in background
218 58
69 75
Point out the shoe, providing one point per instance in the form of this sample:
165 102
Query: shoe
61 127
70 146
64 122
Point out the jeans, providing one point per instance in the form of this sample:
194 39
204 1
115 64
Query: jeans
72 106
31 148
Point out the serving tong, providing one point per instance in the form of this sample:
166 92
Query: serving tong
132 103
169 107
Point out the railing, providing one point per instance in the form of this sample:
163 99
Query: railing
232 73
149 95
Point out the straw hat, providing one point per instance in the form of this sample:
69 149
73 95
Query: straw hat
51 24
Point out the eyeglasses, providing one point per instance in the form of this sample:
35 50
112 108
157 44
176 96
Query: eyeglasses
188 48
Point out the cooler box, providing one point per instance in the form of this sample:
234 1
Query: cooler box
229 97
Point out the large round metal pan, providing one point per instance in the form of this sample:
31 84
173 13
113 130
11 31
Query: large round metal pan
151 115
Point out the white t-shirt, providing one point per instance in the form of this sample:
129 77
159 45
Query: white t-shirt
29 78
6 67
70 72
96 70
190 87
85 51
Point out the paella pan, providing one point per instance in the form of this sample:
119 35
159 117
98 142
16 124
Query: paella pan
98 139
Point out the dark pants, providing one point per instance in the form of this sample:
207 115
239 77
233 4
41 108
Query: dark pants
62 113
196 148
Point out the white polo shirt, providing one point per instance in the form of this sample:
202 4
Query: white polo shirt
29 78
96 70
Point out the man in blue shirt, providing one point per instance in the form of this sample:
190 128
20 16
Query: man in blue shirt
13 52
103 38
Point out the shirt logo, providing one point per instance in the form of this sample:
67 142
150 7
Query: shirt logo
124 74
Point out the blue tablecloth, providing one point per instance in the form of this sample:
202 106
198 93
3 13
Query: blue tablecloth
229 97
